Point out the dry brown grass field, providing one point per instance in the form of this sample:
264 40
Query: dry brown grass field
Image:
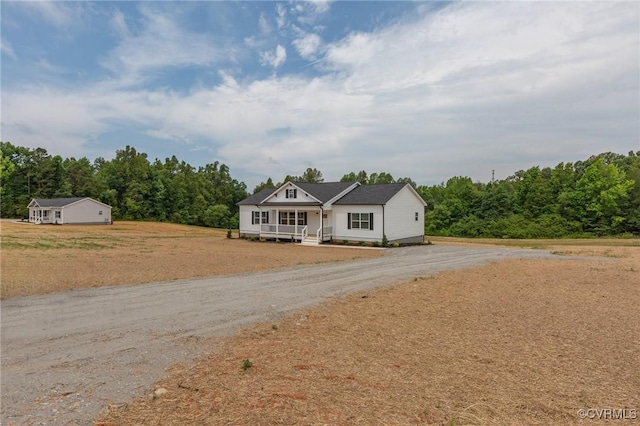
517 342
37 259
520 342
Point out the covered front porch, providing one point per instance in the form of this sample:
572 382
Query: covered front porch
305 225
39 215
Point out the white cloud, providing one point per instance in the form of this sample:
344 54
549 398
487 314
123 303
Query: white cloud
307 46
281 19
307 12
57 13
263 24
321 6
65 121
168 135
274 58
6 48
161 43
471 88
48 66
119 24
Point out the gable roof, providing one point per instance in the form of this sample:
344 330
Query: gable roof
257 198
323 191
56 202
374 194
60 202
379 193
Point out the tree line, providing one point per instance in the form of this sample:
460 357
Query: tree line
594 197
136 188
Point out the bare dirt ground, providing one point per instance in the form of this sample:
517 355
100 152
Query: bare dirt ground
38 259
530 339
519 342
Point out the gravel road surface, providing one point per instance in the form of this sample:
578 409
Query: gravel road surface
66 355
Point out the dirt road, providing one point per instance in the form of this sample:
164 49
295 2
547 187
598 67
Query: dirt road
66 355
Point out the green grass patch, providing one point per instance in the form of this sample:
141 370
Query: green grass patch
53 243
545 243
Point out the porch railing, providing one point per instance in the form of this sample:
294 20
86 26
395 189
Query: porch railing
282 229
324 233
290 230
38 219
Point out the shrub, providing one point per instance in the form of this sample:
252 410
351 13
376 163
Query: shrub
246 364
385 240
229 233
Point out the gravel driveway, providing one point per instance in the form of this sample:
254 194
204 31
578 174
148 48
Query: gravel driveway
66 355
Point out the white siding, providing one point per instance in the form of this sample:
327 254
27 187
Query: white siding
246 227
400 214
313 222
86 211
341 230
246 214
280 196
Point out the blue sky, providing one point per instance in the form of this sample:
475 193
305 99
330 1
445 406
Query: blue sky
427 90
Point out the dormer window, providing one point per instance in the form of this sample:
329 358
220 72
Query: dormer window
292 193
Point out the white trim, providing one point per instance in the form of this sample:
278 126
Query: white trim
33 200
424 203
286 186
328 204
87 198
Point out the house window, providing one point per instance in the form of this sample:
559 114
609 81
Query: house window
289 218
417 216
360 221
99 212
255 219
302 218
57 214
292 193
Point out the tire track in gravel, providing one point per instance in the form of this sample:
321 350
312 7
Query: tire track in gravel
66 355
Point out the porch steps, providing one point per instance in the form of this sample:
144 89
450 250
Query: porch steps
309 242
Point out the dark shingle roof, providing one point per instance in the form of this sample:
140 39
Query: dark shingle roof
323 191
57 202
371 194
257 197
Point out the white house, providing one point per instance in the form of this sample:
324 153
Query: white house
317 212
69 211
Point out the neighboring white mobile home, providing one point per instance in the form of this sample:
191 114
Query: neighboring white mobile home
69 211
317 212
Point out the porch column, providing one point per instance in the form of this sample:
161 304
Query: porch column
277 220
260 221
321 225
295 226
